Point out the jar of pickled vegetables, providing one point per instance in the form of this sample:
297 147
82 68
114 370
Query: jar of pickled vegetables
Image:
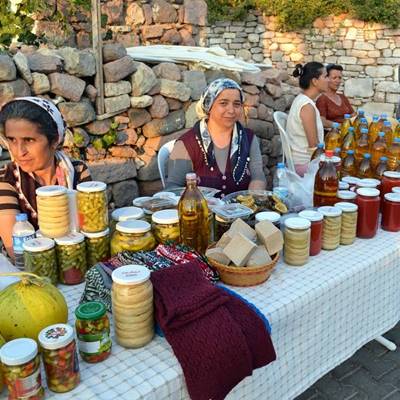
97 247
60 358
93 331
349 222
166 226
332 227
71 257
297 241
316 220
132 236
21 369
40 258
125 214
92 206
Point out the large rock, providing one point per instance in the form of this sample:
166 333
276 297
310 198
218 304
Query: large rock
134 15
76 114
388 87
274 90
67 86
122 152
21 61
378 108
171 36
155 143
196 81
174 90
112 170
195 12
263 129
117 88
117 103
113 51
163 12
191 116
159 108
127 137
138 117
167 70
148 188
159 127
381 71
150 171
9 90
142 80
359 87
40 83
8 71
141 101
124 192
273 75
174 104
44 63
99 127
113 10
254 78
117 70
78 62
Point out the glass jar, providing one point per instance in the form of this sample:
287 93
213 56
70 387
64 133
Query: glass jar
391 212
132 304
139 201
352 181
349 222
166 226
344 185
21 369
221 226
396 189
390 180
271 216
59 356
368 202
53 210
331 227
297 241
347 196
368 183
316 220
93 331
125 214
92 206
97 247
132 236
40 258
71 257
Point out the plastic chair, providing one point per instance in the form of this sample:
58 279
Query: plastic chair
280 119
162 159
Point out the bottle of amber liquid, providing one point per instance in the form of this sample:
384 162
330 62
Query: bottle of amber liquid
362 145
346 124
349 165
362 125
374 129
365 169
318 151
326 182
381 168
387 128
193 216
357 119
349 142
332 138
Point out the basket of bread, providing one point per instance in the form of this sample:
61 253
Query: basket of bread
245 256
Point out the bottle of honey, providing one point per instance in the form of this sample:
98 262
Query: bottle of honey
387 128
374 129
356 122
362 125
365 169
362 145
332 138
378 149
349 142
393 155
346 124
349 165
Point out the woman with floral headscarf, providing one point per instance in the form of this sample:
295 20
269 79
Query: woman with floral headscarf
33 128
222 153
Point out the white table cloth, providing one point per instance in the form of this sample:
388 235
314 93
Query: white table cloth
320 314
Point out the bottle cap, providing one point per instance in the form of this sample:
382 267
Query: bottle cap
335 125
346 195
165 217
395 197
351 128
311 215
350 152
72 238
133 226
271 216
387 123
191 176
130 275
381 134
360 111
91 310
50 191
364 130
281 165
56 336
92 186
397 140
375 118
320 145
368 192
383 158
138 202
95 235
127 213
347 207
21 217
383 115
364 120
38 244
367 155
347 115
18 351
297 223
329 153
337 150
329 211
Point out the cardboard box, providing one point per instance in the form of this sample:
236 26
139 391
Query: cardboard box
239 249
270 236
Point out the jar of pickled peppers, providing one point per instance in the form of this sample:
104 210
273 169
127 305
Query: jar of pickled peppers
165 224
93 331
97 246
60 358
21 369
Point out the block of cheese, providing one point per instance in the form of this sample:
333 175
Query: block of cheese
217 254
270 236
239 226
239 249
224 240
259 257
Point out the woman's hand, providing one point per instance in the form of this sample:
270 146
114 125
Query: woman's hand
308 118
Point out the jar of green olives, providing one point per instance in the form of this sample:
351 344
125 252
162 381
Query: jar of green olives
166 226
97 246
40 258
92 206
21 369
71 256
58 348
132 236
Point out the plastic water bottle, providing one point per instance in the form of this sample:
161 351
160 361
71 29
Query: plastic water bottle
279 175
22 231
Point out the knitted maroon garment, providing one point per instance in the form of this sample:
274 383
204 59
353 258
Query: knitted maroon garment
216 347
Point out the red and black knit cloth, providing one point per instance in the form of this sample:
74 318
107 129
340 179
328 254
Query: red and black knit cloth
215 336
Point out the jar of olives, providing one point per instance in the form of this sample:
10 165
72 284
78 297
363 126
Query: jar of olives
92 206
125 214
40 258
166 226
21 369
132 236
71 256
59 357
97 246
93 331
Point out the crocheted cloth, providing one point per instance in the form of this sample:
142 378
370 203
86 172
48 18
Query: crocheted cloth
216 337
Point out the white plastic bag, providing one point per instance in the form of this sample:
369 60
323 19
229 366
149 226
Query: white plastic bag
5 267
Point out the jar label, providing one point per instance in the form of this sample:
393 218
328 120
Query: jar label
94 347
29 386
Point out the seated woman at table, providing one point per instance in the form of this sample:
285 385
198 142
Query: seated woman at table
33 128
304 125
222 153
333 105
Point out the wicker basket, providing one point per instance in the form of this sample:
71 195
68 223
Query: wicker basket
244 276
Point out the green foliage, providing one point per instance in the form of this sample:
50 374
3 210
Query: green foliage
383 11
231 10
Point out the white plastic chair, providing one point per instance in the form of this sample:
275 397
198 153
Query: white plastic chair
280 119
162 159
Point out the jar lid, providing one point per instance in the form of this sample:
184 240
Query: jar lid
392 174
346 195
368 192
346 206
138 202
396 189
271 216
297 223
95 235
71 238
127 213
130 274
214 202
395 197
165 217
329 211
343 185
91 186
91 310
38 244
311 215
351 180
50 191
56 336
18 351
133 226
165 195
368 183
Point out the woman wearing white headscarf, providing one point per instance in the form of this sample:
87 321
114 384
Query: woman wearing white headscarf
33 128
222 153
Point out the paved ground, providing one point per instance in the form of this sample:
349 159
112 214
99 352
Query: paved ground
372 373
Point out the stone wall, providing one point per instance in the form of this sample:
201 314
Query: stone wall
369 53
146 106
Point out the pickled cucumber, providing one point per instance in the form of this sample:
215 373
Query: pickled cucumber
92 209
132 242
166 232
97 249
72 262
43 263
